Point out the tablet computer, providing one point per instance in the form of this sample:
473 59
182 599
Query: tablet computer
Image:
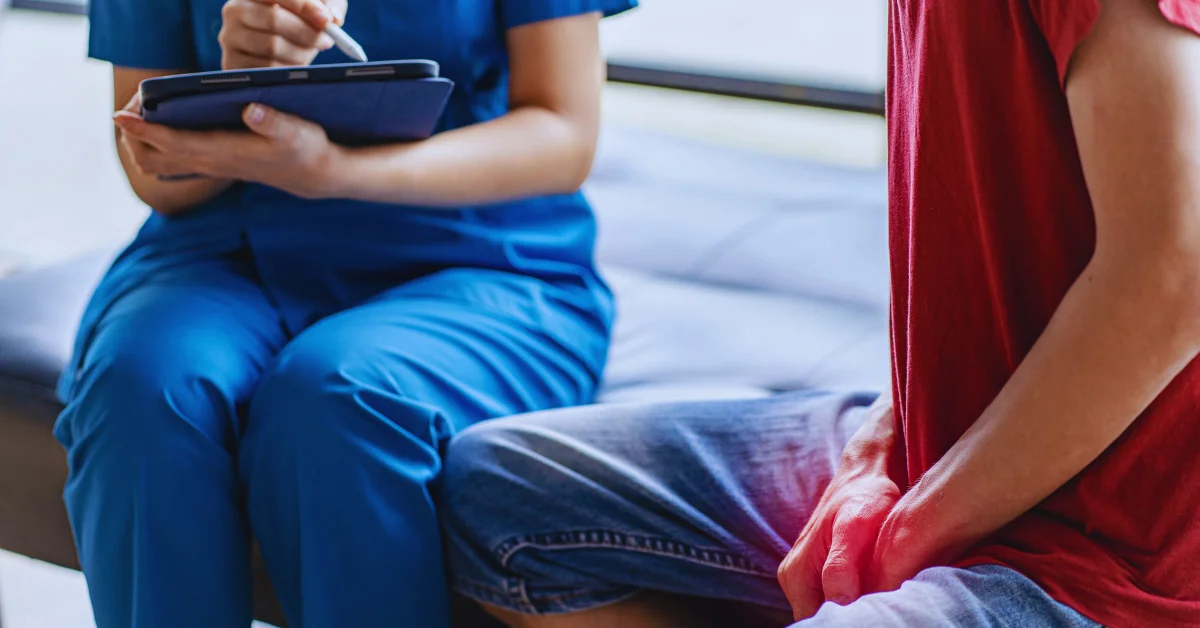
356 103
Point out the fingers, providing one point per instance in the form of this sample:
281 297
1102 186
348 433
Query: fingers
261 33
849 553
157 150
800 577
853 544
133 125
149 160
273 125
134 105
242 41
269 18
314 12
265 48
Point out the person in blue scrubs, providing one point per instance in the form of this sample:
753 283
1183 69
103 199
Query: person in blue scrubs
281 354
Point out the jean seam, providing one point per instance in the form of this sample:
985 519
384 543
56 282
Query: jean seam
517 591
475 584
488 595
491 595
611 539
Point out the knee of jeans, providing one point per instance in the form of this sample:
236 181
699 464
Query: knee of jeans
318 395
136 399
488 469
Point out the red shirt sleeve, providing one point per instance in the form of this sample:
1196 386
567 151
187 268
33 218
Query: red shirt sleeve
1064 24
1184 13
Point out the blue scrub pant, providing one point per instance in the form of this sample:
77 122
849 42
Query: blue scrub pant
198 423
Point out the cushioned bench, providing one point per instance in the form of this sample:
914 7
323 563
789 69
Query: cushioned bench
737 274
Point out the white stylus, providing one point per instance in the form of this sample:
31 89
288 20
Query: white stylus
345 43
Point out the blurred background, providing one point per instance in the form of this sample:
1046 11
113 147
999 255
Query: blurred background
62 192
55 104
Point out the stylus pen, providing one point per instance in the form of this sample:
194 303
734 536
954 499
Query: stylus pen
345 43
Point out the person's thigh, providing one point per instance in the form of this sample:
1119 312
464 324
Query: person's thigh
150 431
343 447
987 596
568 511
193 339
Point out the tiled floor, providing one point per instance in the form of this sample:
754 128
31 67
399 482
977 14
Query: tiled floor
61 190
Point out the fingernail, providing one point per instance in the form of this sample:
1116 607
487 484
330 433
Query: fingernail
841 600
255 114
325 42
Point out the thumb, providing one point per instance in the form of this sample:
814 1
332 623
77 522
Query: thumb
800 576
269 123
841 577
135 104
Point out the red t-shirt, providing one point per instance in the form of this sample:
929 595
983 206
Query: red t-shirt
991 223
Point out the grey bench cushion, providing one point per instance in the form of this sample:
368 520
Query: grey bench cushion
39 311
739 274
691 211
736 274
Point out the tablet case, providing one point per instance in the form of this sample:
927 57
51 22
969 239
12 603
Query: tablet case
362 112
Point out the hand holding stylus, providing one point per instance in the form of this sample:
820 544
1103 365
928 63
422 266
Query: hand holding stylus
272 33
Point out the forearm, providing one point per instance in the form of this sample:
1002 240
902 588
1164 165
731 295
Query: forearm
1122 333
529 152
168 197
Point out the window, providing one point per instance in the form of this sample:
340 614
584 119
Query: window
814 43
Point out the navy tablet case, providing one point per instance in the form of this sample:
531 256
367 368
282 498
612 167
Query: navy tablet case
357 110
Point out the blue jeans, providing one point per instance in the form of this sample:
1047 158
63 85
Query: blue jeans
569 511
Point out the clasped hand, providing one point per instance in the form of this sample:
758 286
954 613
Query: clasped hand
852 544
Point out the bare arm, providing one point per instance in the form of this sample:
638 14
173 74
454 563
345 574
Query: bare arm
1126 328
545 145
165 197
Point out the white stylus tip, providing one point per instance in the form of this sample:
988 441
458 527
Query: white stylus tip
345 43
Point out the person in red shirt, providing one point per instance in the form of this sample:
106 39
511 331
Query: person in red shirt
1035 463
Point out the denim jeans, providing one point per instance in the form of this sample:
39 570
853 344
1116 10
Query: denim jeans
561 512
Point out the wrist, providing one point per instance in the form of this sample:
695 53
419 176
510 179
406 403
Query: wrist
332 173
372 174
874 444
929 527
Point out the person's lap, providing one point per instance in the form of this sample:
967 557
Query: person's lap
195 416
569 511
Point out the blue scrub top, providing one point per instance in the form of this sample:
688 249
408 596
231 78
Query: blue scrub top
322 242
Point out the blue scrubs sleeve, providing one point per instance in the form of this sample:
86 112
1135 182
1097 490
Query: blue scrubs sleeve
144 34
520 12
